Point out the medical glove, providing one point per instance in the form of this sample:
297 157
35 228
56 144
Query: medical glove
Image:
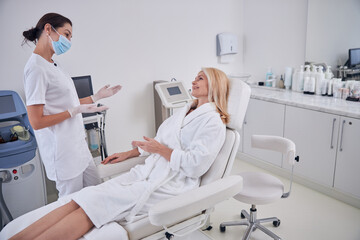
105 92
86 108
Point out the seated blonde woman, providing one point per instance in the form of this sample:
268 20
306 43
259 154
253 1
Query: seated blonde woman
183 150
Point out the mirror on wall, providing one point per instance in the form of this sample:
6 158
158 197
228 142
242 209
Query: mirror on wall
333 27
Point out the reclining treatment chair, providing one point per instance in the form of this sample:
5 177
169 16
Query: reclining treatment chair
178 215
262 188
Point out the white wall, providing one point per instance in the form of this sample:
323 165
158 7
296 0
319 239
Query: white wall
274 35
332 29
131 42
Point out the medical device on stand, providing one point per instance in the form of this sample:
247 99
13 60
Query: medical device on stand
94 123
351 69
22 178
167 97
95 132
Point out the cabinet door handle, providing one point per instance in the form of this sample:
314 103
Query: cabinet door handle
332 134
342 133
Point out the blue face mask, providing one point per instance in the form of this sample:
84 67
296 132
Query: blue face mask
62 45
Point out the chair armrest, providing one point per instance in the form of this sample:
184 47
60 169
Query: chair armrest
185 205
109 170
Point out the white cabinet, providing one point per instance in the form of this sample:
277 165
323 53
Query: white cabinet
315 135
347 171
263 118
328 145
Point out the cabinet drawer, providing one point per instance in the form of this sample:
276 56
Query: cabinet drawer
347 170
315 136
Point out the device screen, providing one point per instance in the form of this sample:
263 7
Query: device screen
174 90
7 104
83 86
354 57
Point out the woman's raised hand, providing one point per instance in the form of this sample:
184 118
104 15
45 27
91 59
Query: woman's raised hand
152 146
105 92
149 145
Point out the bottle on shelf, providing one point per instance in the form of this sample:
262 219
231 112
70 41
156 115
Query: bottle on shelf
307 75
281 82
301 79
93 137
268 77
320 77
312 84
288 75
329 87
274 81
328 73
294 82
298 80
330 83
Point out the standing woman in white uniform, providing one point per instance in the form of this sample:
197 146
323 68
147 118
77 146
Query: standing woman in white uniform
53 107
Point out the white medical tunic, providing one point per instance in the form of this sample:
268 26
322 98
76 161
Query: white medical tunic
196 140
63 148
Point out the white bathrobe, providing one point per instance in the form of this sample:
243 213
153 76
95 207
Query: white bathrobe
196 140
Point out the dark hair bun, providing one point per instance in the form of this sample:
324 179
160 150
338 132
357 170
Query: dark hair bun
54 19
30 34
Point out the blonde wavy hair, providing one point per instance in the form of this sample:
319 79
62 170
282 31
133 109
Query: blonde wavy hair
218 87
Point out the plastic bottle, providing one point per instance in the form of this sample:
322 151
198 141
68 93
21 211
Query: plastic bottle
330 82
328 73
294 83
312 82
313 71
268 77
312 85
301 79
281 82
330 87
298 80
307 75
287 81
93 139
324 87
320 77
274 81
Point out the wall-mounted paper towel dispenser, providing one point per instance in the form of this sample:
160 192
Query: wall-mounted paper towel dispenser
226 43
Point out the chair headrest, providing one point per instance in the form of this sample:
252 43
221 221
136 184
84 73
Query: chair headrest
239 97
237 104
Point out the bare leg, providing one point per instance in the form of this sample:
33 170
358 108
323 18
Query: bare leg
44 223
73 226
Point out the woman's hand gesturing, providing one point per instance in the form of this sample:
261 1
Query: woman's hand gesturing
152 146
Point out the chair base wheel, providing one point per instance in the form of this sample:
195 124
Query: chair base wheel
276 223
222 229
169 235
208 228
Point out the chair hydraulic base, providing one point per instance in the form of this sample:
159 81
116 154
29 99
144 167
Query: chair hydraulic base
253 224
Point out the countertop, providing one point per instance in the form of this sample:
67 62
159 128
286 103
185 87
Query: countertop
314 102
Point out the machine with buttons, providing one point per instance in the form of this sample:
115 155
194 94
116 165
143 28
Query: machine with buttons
22 184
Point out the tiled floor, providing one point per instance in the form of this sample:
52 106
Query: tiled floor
305 215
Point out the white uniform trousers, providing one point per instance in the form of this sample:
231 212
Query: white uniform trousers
89 177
